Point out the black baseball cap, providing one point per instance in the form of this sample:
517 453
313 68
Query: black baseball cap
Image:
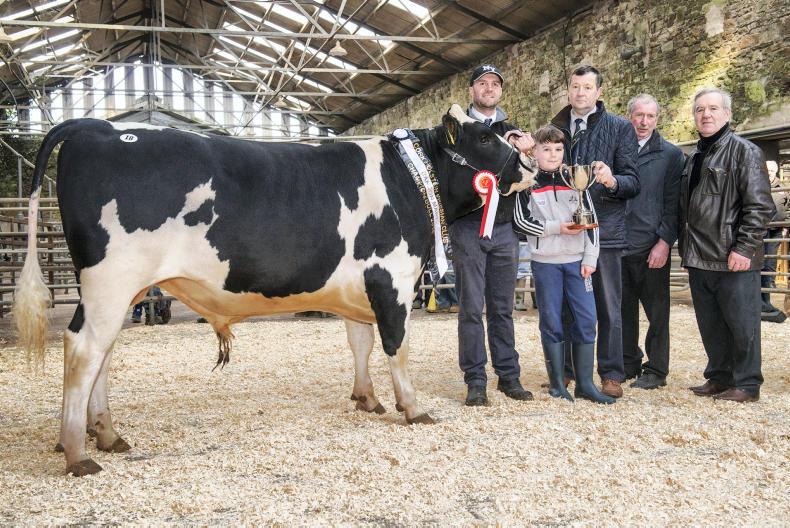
484 69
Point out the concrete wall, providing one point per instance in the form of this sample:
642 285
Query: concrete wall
686 44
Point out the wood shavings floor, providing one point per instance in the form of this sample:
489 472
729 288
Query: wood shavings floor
274 438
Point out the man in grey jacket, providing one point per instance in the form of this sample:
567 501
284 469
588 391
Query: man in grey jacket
725 206
651 219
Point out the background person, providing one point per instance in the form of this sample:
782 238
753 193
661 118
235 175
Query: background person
651 218
725 204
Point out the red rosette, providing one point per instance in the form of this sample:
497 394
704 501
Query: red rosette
484 181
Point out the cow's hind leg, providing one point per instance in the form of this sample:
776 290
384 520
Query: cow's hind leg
87 345
360 339
392 309
99 417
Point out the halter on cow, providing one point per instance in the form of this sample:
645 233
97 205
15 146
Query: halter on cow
235 229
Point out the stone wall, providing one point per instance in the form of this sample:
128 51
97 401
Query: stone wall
677 47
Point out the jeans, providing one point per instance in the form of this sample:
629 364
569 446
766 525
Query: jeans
558 283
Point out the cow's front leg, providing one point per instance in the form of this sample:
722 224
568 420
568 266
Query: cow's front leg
99 417
360 339
391 305
401 381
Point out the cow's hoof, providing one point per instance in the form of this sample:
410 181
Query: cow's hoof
399 408
358 398
421 419
378 409
91 432
59 448
119 446
83 467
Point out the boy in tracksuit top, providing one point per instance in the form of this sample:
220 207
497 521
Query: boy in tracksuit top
563 260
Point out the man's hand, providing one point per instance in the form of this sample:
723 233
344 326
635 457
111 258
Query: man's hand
603 175
587 271
523 142
737 262
658 255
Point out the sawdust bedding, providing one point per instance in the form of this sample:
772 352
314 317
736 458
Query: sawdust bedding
274 438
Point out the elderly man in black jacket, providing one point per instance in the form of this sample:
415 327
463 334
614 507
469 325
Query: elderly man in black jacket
594 136
725 205
652 219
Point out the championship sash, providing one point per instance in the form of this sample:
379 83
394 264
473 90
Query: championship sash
424 176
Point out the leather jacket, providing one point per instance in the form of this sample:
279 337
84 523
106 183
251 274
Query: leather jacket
729 208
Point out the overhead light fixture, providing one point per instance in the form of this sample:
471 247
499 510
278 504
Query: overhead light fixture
4 37
338 50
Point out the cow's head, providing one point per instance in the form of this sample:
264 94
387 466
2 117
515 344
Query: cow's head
482 149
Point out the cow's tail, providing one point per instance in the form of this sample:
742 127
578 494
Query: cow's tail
31 295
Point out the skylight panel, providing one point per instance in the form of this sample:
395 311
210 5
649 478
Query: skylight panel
56 38
47 56
28 12
410 7
29 32
287 13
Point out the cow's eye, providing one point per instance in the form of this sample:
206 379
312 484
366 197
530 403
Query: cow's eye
484 139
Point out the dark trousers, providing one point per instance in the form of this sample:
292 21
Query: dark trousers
556 284
650 287
607 288
727 306
485 271
768 281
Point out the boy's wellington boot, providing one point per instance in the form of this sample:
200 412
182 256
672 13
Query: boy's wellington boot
555 367
583 358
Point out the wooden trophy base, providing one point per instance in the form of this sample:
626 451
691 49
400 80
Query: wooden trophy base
578 227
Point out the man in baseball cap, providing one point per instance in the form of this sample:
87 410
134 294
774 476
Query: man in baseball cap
485 269
483 70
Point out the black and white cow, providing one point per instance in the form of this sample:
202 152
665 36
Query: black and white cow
237 229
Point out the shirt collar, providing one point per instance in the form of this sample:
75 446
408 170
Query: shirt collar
481 116
575 116
643 142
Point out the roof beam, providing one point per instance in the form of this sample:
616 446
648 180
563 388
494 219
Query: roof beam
486 20
405 41
266 34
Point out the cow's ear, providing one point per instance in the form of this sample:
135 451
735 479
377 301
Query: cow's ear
451 128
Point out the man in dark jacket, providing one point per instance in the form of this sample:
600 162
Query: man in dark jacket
594 136
725 205
652 220
485 269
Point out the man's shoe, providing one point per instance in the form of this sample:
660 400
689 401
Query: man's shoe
774 316
631 373
454 309
612 388
513 389
476 396
709 389
738 395
649 381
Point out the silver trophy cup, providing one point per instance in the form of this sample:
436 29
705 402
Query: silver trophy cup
579 178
